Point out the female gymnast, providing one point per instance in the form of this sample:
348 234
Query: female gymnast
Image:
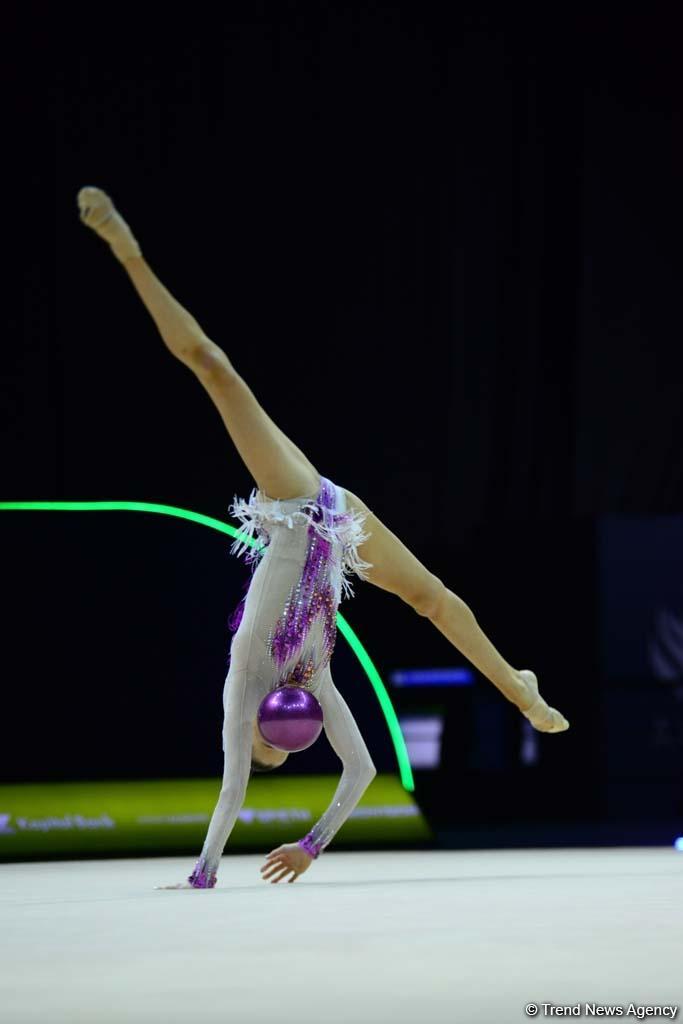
316 534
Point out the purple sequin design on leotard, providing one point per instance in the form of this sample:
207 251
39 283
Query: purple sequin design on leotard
313 596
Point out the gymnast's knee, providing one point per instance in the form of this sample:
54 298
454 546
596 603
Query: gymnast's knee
210 361
427 598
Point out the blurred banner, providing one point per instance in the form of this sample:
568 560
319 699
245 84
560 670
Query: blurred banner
641 631
641 587
173 816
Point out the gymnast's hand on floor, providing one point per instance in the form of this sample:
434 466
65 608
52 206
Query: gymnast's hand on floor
541 716
98 212
290 859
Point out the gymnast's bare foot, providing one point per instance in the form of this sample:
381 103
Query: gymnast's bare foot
98 212
535 709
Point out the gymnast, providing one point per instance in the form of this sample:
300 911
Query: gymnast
314 536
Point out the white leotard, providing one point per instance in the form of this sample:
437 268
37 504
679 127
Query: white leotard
311 547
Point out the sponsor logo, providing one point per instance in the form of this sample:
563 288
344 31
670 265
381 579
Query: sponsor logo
267 815
264 816
247 815
66 823
5 829
172 819
387 811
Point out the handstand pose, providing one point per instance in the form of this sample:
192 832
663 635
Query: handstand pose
315 534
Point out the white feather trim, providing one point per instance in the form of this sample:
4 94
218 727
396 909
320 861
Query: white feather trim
344 529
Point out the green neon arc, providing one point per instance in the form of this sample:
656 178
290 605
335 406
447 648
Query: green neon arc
232 531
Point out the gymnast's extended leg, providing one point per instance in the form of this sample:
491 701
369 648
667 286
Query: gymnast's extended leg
278 467
396 569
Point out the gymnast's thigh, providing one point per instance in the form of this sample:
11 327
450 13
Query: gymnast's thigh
393 566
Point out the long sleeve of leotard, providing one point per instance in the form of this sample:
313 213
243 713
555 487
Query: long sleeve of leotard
359 771
240 704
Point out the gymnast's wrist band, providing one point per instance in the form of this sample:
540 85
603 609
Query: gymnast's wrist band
307 844
200 879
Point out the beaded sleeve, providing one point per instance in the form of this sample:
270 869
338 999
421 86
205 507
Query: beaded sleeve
240 704
358 769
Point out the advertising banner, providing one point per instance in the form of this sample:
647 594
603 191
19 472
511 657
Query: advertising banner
75 819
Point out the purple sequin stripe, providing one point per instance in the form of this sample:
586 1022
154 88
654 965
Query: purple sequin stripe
200 879
309 846
312 596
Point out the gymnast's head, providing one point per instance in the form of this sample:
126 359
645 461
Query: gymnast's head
264 757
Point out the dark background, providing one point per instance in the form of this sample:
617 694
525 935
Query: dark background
444 249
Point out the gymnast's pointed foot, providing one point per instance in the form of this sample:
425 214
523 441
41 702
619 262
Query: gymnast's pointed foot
541 716
98 212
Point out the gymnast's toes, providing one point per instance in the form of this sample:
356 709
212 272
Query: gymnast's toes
95 206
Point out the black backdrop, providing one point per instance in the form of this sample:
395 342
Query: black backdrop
443 249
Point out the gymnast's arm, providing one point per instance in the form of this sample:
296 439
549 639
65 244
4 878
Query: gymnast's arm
240 704
358 769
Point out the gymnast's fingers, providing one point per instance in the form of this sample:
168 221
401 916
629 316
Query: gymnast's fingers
271 861
272 868
285 871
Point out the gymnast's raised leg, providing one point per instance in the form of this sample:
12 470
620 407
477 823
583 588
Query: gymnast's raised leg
281 470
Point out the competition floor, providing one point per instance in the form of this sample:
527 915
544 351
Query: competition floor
414 937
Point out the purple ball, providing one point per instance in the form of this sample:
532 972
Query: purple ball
290 718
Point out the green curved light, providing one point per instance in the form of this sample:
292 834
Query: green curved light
232 531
